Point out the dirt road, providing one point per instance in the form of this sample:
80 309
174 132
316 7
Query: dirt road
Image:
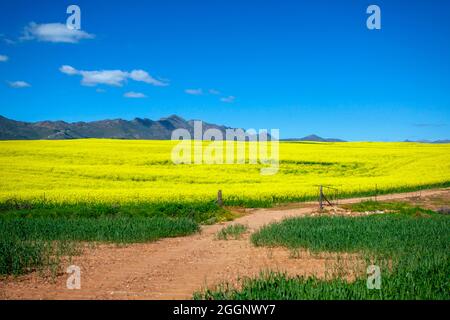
174 268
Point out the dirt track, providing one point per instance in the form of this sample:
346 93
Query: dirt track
175 268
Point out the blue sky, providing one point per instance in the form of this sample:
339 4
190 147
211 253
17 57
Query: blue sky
300 66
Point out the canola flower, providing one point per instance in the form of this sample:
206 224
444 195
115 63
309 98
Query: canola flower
121 171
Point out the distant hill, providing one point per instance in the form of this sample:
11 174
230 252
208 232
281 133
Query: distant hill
115 129
315 138
429 141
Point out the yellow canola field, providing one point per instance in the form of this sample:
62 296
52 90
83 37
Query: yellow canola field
141 170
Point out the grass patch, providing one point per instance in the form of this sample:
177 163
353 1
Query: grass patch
279 286
389 234
371 205
198 211
233 231
36 234
28 244
414 242
107 229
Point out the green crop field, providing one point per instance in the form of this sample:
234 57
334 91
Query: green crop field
411 246
34 243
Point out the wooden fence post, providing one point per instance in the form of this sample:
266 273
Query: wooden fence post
321 198
219 198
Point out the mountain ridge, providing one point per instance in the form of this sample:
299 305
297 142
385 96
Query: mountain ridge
314 138
138 128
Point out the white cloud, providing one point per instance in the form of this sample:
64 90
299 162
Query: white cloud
229 99
6 40
53 32
18 84
195 92
134 95
141 75
68 70
110 77
3 58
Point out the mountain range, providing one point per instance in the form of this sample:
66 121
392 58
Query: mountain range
115 129
313 137
138 128
429 141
